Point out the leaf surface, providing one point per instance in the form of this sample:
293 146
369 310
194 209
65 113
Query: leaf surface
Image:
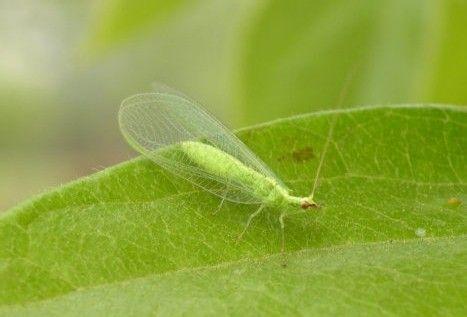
132 239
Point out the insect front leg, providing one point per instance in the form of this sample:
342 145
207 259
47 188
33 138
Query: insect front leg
252 216
224 194
220 205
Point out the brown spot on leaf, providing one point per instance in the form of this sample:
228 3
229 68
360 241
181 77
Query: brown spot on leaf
303 154
299 155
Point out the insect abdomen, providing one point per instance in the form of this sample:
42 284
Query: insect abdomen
227 167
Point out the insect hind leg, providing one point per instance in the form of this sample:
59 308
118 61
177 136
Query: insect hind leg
250 218
281 221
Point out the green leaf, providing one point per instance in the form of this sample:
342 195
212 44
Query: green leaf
118 21
298 55
134 240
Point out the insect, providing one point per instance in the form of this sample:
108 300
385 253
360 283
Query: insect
181 137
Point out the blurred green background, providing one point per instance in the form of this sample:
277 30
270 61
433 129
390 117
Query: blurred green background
65 66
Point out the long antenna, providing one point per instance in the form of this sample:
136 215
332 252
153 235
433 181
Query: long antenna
340 100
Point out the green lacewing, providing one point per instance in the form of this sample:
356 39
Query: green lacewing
180 136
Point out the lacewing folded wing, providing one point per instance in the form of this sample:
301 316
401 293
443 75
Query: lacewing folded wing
155 123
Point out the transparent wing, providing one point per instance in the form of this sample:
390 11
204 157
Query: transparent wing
155 122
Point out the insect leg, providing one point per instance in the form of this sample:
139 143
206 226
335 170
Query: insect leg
220 205
281 220
223 199
253 215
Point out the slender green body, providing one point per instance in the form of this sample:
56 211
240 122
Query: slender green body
162 126
221 164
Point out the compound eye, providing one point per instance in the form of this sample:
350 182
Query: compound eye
305 204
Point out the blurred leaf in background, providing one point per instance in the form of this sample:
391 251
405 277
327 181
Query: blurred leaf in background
118 20
59 94
33 123
298 54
